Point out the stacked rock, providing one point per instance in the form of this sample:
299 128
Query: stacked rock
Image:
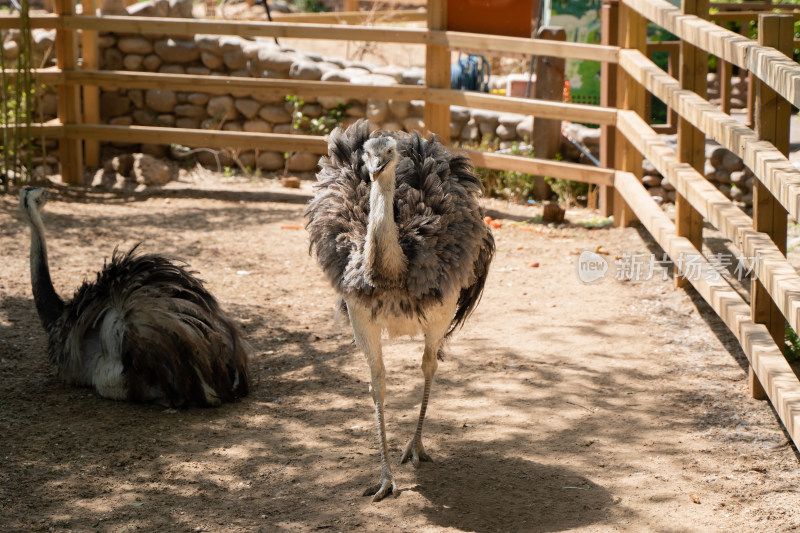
727 171
723 168
738 96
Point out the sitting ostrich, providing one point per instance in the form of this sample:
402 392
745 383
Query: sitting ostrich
397 228
146 330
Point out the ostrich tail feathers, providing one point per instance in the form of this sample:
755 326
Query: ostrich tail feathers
347 146
470 296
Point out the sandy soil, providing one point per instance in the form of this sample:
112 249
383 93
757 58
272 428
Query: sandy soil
615 406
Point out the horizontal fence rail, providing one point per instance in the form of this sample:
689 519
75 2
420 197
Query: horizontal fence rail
450 39
769 165
772 67
354 17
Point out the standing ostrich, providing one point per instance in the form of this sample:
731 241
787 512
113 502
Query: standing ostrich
146 330
397 228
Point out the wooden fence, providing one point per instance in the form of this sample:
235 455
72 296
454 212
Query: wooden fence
628 75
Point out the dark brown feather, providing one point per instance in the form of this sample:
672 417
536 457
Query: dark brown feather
176 345
439 218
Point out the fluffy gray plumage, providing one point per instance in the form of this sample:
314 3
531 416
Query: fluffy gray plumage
440 223
145 330
398 229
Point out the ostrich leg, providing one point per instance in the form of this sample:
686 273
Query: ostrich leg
368 338
434 338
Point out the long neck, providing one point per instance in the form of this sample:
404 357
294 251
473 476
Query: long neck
48 304
384 256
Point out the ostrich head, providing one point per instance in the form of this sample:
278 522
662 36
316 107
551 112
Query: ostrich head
31 200
380 156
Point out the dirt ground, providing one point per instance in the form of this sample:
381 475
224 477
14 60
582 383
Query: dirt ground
614 406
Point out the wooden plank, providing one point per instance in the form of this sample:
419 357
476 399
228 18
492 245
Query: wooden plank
767 162
772 114
772 67
70 150
49 76
241 85
770 365
744 16
448 39
47 22
253 29
755 5
609 32
205 138
407 2
525 106
691 141
354 17
529 165
534 47
437 73
48 130
663 46
91 94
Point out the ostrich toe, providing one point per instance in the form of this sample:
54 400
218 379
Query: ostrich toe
416 452
382 489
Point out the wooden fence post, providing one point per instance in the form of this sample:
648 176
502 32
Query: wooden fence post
546 138
691 141
437 73
772 120
608 98
751 80
630 95
70 152
91 93
724 72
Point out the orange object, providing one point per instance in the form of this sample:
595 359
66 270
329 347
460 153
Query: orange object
291 226
535 264
488 220
497 17
496 223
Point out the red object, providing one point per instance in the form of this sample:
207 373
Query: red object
535 264
497 17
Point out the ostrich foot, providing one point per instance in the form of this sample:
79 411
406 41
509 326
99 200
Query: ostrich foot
416 452
382 489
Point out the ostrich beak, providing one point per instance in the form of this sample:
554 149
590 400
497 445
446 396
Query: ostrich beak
375 174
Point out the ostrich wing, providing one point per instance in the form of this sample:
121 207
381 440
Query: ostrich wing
448 245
